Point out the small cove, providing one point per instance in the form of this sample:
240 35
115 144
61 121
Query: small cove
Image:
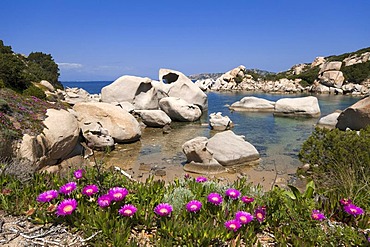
278 139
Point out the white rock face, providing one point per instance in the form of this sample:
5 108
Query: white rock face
334 65
318 61
47 85
121 125
230 149
199 158
76 95
136 90
332 78
55 143
329 121
219 122
96 136
205 84
252 103
180 86
154 118
303 106
180 110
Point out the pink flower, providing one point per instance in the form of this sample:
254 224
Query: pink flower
243 217
215 198
201 179
193 206
90 190
47 196
127 210
117 193
104 201
68 188
247 199
79 173
232 225
163 209
316 215
66 207
345 201
353 210
232 193
260 214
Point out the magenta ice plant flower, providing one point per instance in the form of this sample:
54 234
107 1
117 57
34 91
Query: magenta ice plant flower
117 193
215 198
79 173
317 215
260 214
163 209
47 196
201 179
193 206
243 217
127 210
66 207
345 201
68 188
232 225
90 190
104 201
247 199
353 210
232 193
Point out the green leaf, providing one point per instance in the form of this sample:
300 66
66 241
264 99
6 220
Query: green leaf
295 191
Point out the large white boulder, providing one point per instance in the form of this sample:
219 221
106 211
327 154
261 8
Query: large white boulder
219 122
355 117
96 136
329 121
199 158
138 91
302 106
47 85
180 110
154 118
252 103
55 143
334 65
175 84
120 124
231 149
332 78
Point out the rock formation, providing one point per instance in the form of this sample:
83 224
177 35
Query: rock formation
219 122
355 117
252 103
303 106
180 110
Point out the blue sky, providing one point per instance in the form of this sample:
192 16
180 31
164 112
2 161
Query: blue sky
102 40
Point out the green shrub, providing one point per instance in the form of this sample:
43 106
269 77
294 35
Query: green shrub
34 91
340 162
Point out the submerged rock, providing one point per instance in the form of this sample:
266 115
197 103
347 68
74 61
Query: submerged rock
253 104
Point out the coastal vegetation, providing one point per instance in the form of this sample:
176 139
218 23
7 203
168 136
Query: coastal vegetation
108 208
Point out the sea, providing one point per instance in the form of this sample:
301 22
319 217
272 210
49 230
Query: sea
278 139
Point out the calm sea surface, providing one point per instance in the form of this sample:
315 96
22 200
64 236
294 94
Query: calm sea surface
278 139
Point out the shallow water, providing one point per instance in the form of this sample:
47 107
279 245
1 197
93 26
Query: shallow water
278 139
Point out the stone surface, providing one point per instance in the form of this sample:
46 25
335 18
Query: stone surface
180 110
175 84
318 61
332 78
96 136
76 95
302 106
334 65
55 143
47 85
154 118
231 149
219 122
199 158
136 90
251 103
121 125
355 117
329 121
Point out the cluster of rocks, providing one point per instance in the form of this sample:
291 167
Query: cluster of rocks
114 116
330 80
301 106
355 117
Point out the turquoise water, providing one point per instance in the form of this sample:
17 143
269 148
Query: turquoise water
278 139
